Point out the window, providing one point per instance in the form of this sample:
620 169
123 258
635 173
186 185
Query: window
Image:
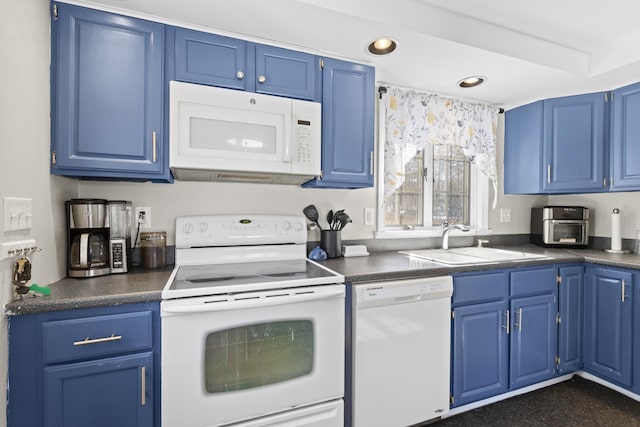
430 178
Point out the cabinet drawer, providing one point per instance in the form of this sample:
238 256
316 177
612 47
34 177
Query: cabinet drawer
89 337
480 287
538 281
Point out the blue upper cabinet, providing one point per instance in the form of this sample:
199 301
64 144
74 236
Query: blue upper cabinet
286 73
625 139
348 97
107 96
215 60
574 148
556 146
210 59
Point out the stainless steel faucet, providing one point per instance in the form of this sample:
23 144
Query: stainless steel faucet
446 228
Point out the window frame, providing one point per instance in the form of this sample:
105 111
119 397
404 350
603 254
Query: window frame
479 196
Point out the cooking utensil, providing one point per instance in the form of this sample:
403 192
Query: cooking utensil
343 219
330 218
312 214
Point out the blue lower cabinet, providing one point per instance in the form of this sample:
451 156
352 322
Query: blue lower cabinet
116 391
570 330
608 324
89 367
480 352
533 339
504 331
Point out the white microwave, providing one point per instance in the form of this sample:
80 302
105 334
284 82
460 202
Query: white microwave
229 135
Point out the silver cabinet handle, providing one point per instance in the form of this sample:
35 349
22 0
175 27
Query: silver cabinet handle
548 174
154 138
262 79
371 163
519 322
506 314
88 340
143 386
240 75
623 296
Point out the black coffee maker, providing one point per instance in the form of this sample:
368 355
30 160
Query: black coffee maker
88 237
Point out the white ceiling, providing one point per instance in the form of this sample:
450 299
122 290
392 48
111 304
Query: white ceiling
526 50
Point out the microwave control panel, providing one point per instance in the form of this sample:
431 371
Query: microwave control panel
304 142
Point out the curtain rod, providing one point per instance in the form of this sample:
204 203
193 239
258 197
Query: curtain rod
382 89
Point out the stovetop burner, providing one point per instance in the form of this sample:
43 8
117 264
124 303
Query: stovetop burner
216 279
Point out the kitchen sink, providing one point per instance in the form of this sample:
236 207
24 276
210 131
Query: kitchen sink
471 255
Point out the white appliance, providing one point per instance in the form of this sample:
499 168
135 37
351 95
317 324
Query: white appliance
400 351
252 331
221 134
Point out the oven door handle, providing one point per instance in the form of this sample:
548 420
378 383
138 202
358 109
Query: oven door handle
262 301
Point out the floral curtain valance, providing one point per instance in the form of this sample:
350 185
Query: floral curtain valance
415 119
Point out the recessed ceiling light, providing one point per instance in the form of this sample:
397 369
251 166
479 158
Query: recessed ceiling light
471 81
382 46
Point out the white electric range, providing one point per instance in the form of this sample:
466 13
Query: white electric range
252 331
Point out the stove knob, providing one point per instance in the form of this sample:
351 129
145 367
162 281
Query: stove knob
286 225
298 226
187 228
202 226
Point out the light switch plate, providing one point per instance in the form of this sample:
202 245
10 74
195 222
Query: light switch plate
369 216
17 214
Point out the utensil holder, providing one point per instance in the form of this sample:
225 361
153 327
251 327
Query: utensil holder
331 242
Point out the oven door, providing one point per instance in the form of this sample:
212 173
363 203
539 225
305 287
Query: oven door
232 358
566 232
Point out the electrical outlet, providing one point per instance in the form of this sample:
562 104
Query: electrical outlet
15 249
143 217
505 215
369 216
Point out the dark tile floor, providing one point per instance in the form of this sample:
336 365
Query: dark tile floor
576 402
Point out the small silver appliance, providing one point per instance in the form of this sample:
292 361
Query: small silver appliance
120 235
560 226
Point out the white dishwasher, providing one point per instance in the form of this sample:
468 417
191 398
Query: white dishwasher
400 351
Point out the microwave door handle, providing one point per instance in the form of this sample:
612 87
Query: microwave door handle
253 303
288 139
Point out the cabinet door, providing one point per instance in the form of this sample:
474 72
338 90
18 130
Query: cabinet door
210 59
286 72
480 349
574 155
348 96
570 302
608 327
625 143
533 339
107 95
523 138
106 392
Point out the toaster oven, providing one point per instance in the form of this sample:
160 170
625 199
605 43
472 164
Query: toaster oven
560 226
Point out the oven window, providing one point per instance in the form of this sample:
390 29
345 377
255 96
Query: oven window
256 355
567 233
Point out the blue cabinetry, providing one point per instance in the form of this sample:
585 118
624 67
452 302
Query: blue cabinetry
556 146
625 139
216 60
504 331
348 97
608 324
107 96
94 367
570 331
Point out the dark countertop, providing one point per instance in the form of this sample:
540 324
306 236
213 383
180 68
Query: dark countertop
115 289
146 285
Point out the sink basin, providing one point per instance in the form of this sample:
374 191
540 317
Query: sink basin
471 255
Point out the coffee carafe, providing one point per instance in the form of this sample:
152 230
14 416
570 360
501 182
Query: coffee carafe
88 237
120 235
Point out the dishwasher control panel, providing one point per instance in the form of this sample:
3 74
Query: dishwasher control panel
399 291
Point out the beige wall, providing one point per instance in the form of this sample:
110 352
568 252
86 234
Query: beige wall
24 148
24 172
